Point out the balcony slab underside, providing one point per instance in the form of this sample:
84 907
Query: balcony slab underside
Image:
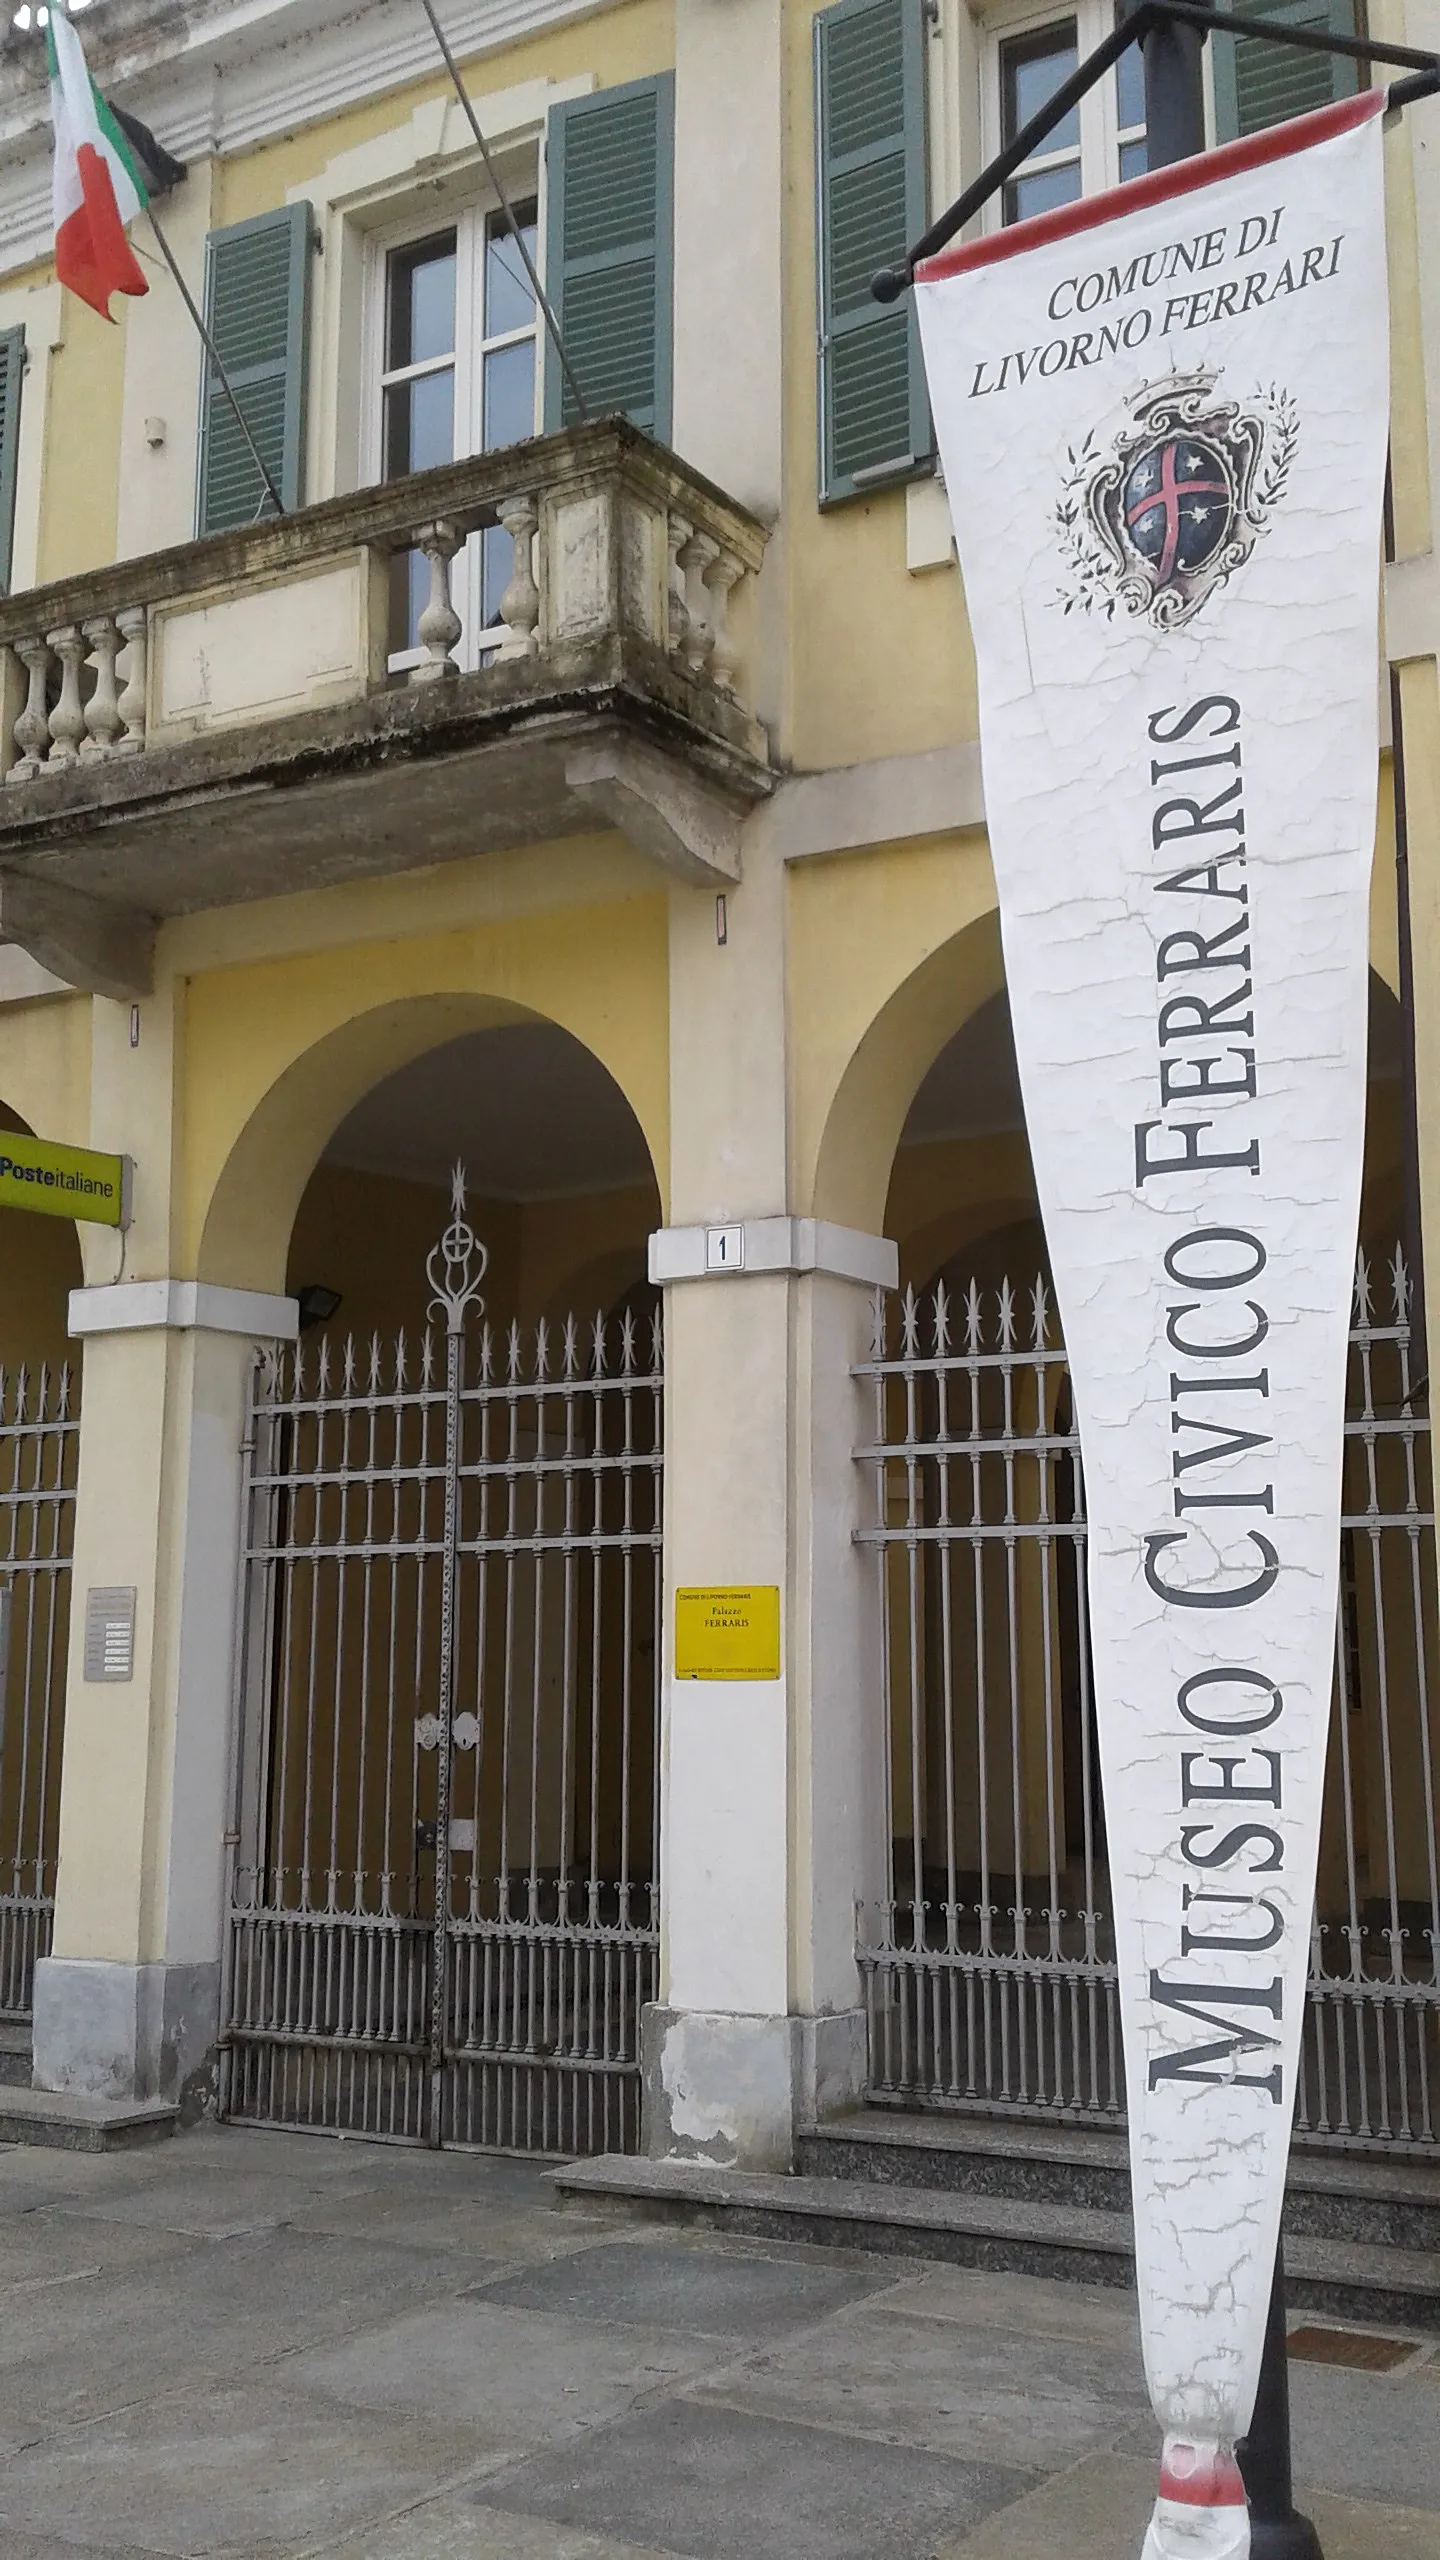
389 784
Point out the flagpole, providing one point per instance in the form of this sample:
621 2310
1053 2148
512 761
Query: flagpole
516 234
214 355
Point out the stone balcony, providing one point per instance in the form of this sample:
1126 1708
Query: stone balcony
225 720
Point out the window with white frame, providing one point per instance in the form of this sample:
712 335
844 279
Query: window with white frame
1100 142
454 372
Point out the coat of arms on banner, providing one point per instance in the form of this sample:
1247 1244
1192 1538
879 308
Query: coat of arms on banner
1158 517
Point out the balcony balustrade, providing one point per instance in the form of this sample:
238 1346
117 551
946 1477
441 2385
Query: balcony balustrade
228 720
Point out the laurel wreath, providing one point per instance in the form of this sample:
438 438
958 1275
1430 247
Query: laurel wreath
1283 419
1089 570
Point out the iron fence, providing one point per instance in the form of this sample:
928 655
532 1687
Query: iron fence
989 1970
39 1449
443 1924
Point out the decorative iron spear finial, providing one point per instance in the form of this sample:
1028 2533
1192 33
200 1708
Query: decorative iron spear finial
457 1264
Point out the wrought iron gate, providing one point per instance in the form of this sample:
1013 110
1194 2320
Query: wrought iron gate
39 1449
989 1971
443 1920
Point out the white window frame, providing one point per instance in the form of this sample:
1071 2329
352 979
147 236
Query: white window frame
966 103
1099 133
468 220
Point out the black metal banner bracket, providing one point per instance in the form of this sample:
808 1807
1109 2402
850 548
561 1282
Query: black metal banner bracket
1148 20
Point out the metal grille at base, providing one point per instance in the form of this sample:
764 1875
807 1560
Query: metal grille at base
989 1970
39 1452
443 1923
1362 2348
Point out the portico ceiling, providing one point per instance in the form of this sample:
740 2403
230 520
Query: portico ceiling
527 1109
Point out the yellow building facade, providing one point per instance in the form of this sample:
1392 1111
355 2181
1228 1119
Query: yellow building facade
593 801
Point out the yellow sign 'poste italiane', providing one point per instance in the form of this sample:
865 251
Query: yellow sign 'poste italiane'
728 1635
64 1182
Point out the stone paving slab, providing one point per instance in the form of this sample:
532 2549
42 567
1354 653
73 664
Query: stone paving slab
244 2468
1016 2399
74 2352
212 2201
487 2224
514 2379
1099 2511
444 2530
1363 2443
51 2247
29 2546
1093 2314
699 2289
718 2484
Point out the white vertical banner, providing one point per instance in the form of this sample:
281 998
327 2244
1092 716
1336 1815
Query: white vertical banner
1162 417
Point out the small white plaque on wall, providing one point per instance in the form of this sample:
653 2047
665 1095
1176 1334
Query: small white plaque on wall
110 1633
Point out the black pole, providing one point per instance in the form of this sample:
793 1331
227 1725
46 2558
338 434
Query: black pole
1174 91
1276 2532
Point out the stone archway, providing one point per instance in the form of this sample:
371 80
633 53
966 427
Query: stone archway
450 1688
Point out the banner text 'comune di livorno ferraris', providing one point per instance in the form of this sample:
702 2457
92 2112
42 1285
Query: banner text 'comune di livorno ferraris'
1163 418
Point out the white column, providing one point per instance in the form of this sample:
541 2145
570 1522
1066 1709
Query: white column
771 1822
771 1809
127 2004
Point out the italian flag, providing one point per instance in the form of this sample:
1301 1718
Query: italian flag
98 188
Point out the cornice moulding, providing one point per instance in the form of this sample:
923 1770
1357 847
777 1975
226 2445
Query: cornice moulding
223 76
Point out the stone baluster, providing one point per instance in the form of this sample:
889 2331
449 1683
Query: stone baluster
439 625
678 534
520 604
133 626
695 558
67 720
102 712
32 729
721 574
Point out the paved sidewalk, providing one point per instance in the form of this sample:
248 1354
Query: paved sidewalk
272 2345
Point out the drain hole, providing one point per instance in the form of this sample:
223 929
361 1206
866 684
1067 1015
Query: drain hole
1349 2346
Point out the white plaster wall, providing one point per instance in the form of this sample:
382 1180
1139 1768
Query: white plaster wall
163 367
725 1850
728 1114
729 112
198 1599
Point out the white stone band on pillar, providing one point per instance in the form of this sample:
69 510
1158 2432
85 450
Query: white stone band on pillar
751 1246
182 1306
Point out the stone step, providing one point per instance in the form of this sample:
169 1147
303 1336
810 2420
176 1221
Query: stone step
63 2123
1329 2195
1080 2244
15 2054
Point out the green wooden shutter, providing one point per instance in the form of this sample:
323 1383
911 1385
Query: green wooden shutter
12 374
1258 84
257 294
608 227
870 148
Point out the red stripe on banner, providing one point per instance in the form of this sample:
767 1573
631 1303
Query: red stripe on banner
92 254
1210 2479
1205 170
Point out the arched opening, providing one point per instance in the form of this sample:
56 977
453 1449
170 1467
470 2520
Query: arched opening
444 1922
39 1449
998 1848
